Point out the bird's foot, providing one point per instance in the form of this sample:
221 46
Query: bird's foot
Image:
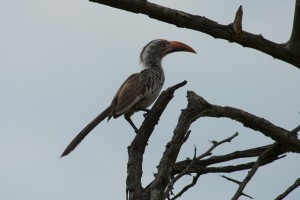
146 112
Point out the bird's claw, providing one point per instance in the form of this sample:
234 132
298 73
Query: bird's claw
146 112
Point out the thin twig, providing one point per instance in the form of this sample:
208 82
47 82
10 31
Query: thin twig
257 164
237 182
253 170
289 190
231 179
207 153
215 144
187 187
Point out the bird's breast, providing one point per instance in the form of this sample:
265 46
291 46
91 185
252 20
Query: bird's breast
152 84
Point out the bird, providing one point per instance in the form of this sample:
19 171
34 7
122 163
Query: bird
139 90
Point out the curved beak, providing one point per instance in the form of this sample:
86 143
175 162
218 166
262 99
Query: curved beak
175 46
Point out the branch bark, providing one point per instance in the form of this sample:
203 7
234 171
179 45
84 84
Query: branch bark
201 166
198 107
289 190
137 148
237 182
215 144
264 156
187 187
201 108
181 132
210 27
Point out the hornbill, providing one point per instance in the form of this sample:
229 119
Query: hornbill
139 90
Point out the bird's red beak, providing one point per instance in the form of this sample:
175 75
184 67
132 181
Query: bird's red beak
178 46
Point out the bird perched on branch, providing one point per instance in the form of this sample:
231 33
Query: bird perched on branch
139 90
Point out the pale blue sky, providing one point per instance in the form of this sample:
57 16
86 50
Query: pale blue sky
62 61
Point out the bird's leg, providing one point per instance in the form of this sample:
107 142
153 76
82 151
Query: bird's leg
145 110
127 117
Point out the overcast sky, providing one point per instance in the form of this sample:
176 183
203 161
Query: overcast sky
61 61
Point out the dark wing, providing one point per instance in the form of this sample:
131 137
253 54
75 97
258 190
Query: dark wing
129 93
133 90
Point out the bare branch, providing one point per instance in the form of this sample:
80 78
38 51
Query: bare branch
215 144
157 187
253 170
176 178
201 165
230 179
201 108
194 181
207 153
257 164
165 167
237 182
138 145
289 190
199 168
202 24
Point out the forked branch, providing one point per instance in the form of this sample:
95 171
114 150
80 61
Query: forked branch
215 144
137 148
201 108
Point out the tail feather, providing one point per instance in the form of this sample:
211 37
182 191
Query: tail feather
88 129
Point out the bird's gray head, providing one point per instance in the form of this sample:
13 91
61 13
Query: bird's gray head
155 50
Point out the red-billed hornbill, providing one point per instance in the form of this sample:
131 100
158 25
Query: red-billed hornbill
139 90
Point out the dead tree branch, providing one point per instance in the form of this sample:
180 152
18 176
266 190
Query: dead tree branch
201 166
138 145
201 108
289 190
253 170
265 155
176 178
198 107
237 182
216 30
215 144
187 187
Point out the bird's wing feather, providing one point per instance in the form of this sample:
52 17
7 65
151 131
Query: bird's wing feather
133 90
129 94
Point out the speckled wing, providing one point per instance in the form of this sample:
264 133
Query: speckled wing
136 89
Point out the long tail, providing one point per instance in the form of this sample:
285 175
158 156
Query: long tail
88 129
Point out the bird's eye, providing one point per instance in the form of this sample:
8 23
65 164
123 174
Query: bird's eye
162 44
